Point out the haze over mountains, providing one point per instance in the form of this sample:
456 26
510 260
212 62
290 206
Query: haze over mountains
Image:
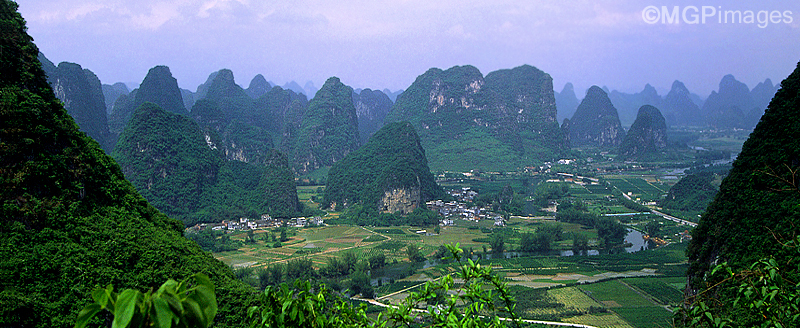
681 107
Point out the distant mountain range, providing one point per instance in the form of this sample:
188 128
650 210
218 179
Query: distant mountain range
503 121
733 105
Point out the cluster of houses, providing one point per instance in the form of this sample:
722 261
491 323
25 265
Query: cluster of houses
265 222
459 210
576 179
546 166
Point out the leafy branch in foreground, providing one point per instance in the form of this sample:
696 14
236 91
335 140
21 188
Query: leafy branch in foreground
173 305
480 302
765 295
483 297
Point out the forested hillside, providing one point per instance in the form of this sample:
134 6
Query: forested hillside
70 220
188 173
390 173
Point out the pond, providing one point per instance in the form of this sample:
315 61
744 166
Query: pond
634 238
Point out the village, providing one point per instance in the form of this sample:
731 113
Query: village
264 222
458 209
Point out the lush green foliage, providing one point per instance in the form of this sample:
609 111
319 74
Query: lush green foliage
392 159
764 295
172 305
369 216
479 302
213 241
691 193
505 201
70 219
545 192
611 232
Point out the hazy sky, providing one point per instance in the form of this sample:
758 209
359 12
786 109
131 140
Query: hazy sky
387 44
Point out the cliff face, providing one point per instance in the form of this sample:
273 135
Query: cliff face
400 200
596 122
467 121
647 136
389 173
328 130
80 91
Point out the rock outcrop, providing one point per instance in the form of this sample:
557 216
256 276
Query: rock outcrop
595 122
647 136
400 200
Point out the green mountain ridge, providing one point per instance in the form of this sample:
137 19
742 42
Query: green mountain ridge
158 87
328 130
465 121
187 172
595 122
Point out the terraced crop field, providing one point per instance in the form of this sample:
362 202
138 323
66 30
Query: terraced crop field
633 306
